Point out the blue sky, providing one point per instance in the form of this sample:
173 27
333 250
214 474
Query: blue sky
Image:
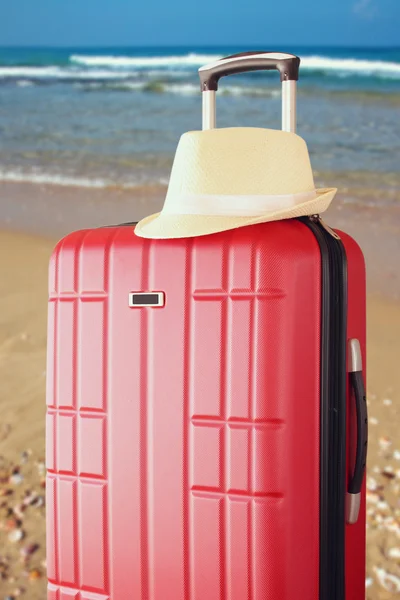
199 22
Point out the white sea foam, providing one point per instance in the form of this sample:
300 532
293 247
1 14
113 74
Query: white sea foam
172 73
180 89
311 63
351 65
61 73
40 177
184 89
143 86
54 179
30 71
24 83
111 85
121 67
191 59
189 89
236 90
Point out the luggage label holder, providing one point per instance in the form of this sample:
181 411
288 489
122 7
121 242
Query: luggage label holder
146 299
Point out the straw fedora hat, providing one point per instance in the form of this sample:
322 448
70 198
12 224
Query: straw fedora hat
222 179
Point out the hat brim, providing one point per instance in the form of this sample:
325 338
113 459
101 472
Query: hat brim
169 226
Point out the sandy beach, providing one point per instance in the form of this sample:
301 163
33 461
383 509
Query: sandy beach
33 217
23 267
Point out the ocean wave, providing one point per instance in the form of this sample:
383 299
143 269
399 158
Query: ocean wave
54 179
90 68
59 73
236 90
24 83
161 86
180 89
191 60
356 66
122 86
227 90
326 64
43 178
156 87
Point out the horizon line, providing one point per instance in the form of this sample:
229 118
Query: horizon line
195 46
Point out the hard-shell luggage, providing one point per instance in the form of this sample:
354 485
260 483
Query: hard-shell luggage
206 414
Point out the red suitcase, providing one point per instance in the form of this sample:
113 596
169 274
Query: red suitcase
206 439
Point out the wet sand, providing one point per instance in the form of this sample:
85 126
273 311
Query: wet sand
47 213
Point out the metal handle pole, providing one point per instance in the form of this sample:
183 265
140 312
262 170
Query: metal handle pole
289 106
209 109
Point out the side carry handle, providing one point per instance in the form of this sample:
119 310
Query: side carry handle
286 64
357 382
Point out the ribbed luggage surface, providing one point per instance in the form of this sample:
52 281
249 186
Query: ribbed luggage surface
183 441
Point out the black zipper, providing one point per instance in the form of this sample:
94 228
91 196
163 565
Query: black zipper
333 409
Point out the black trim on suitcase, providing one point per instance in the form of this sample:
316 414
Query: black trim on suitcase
333 410
121 224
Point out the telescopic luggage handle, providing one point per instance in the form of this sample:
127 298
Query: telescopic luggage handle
286 64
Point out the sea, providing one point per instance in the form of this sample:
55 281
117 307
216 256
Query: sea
99 117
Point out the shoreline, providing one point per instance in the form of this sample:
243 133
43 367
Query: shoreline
53 211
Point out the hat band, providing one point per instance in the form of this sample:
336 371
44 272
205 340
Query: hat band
234 205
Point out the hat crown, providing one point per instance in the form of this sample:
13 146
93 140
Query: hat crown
240 161
227 178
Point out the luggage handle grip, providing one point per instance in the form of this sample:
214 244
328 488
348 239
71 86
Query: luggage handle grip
357 383
286 64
